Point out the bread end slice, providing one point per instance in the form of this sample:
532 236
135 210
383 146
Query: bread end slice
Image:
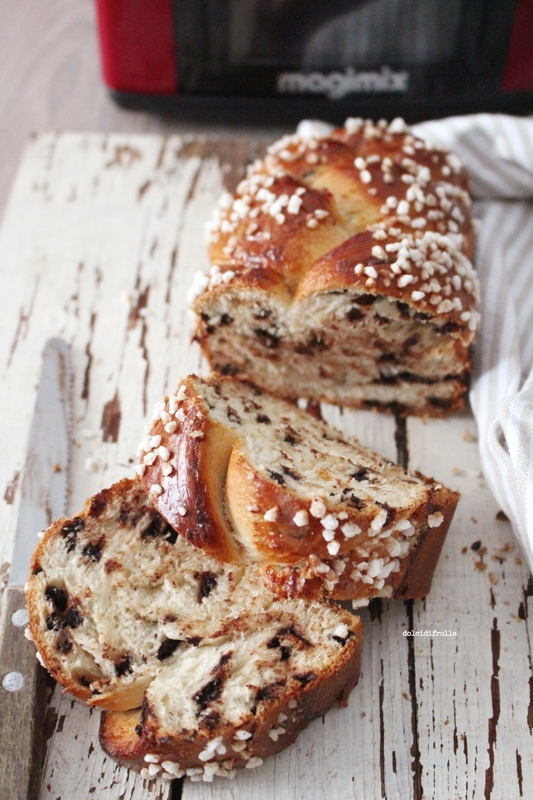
138 739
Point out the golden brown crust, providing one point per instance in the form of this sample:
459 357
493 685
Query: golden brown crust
118 735
411 582
193 500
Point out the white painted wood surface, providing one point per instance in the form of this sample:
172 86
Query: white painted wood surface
101 237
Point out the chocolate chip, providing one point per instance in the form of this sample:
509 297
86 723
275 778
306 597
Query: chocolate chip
277 477
233 416
448 327
353 500
311 346
70 532
267 339
123 667
388 380
158 527
210 719
305 678
291 473
225 319
98 505
291 436
360 475
475 545
209 693
403 308
228 369
93 550
58 597
73 619
54 622
263 418
365 299
57 622
439 402
267 692
63 643
285 653
354 314
194 640
167 647
342 641
208 581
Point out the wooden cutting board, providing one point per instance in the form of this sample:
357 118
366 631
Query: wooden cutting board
99 244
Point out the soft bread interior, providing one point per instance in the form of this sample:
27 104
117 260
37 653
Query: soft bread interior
117 598
296 490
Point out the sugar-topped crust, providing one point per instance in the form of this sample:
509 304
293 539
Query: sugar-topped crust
320 229
248 477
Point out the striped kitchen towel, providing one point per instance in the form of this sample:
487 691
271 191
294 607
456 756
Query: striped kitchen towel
498 153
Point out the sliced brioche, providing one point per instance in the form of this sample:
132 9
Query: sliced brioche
248 477
124 613
341 273
236 700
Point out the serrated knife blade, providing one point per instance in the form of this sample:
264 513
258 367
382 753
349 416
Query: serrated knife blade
43 492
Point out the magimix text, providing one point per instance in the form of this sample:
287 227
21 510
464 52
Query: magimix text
336 85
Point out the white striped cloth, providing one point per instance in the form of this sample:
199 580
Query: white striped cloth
498 153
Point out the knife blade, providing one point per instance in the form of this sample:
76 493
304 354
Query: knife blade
43 492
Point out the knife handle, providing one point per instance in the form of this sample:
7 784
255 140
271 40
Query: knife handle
22 703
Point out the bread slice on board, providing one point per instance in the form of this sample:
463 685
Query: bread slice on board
248 477
126 614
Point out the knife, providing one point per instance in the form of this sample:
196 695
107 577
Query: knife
43 493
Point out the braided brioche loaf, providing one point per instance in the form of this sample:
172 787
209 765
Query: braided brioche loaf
125 612
341 273
248 477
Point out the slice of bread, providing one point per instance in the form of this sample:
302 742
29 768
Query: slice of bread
250 478
126 613
341 272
